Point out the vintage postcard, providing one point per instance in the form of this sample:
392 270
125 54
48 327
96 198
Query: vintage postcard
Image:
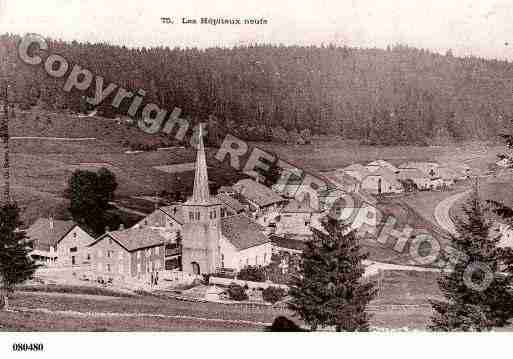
274 166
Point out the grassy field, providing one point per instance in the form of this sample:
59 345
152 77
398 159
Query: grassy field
60 308
330 153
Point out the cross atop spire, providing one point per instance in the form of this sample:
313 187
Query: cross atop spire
201 193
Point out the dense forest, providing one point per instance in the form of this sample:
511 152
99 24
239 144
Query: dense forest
387 96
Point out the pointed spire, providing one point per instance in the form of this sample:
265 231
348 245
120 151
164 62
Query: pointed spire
201 193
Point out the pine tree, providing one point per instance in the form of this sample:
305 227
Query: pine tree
16 266
473 302
330 289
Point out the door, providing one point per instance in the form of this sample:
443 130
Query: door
195 268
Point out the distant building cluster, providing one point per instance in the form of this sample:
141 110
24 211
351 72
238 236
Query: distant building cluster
382 177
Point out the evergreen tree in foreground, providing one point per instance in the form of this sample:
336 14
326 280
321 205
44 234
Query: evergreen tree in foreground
15 264
330 289
477 303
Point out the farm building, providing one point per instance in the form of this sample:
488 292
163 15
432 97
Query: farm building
382 181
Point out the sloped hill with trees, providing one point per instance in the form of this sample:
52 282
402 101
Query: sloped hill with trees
400 95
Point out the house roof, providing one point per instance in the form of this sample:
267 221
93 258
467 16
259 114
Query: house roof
295 206
382 163
49 231
258 193
341 177
243 232
410 173
288 243
386 174
357 171
136 238
231 202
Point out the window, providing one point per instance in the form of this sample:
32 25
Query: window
120 256
73 249
108 254
138 254
157 251
138 267
88 256
148 252
191 216
75 235
73 261
108 267
256 260
265 258
198 216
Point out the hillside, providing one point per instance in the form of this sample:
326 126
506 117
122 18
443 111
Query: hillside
400 95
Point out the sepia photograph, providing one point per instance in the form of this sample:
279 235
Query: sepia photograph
175 168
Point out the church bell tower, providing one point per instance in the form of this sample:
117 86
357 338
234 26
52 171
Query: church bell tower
201 232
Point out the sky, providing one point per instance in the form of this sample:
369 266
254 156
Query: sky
482 28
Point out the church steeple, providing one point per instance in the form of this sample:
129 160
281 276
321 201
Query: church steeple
201 193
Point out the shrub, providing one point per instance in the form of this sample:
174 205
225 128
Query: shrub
236 292
283 324
273 294
252 274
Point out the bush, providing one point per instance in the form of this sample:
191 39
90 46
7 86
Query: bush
283 324
252 274
273 294
236 292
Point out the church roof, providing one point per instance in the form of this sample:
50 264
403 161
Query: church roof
243 232
201 192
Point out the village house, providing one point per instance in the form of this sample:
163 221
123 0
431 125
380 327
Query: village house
427 168
421 180
381 181
264 202
243 243
73 248
44 234
342 180
357 171
133 253
231 205
297 217
375 165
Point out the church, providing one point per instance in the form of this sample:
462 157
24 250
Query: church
211 235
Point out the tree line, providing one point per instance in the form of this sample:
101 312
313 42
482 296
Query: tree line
398 95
